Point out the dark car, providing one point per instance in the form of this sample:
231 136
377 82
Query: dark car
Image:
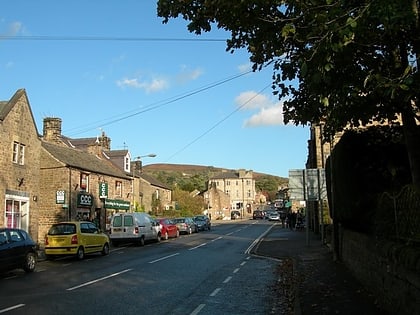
203 222
235 214
258 214
17 250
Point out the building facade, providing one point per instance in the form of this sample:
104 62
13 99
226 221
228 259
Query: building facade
20 164
239 186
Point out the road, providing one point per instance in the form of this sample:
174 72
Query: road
209 272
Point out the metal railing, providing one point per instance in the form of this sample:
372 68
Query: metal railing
398 215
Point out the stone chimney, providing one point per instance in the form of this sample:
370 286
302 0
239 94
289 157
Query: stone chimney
105 142
52 129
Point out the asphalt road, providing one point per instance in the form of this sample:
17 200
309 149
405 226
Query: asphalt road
209 272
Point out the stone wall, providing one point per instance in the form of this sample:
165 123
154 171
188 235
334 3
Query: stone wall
389 270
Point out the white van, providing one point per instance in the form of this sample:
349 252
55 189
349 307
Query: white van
136 227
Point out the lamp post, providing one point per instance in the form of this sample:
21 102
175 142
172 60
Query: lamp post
137 170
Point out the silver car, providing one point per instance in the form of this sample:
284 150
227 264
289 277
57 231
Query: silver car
186 225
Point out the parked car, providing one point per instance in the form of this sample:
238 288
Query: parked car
168 228
203 222
258 214
273 216
186 225
135 227
75 238
17 250
235 214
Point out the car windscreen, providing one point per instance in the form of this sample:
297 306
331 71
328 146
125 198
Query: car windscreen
62 229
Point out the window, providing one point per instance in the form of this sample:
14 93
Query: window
249 193
248 182
228 183
127 164
84 181
118 188
18 153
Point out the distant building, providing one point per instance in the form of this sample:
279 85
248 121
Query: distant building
238 186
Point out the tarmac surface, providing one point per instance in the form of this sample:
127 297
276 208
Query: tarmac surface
309 281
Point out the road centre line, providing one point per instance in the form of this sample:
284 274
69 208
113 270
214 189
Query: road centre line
198 309
98 280
236 270
216 239
163 258
214 293
243 263
227 279
198 246
4 310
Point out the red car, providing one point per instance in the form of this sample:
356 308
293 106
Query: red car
168 228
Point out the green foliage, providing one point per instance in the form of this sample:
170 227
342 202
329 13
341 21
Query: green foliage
188 204
354 62
190 180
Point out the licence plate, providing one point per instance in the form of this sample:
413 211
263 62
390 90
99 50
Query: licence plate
117 230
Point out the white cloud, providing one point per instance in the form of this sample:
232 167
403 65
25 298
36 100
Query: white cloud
245 67
271 116
252 100
154 85
187 75
269 113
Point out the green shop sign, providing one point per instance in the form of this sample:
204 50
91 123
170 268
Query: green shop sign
117 204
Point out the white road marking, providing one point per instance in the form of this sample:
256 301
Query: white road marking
4 310
198 246
214 293
198 309
227 279
236 270
98 280
163 258
243 263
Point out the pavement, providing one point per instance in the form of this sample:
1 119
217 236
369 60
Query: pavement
309 280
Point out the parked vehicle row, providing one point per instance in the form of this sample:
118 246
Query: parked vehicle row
78 238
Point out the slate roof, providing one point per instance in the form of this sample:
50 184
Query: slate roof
82 160
226 175
6 106
153 181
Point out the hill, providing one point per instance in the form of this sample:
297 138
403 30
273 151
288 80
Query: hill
190 177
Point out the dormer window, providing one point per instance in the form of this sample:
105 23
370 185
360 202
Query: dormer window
127 164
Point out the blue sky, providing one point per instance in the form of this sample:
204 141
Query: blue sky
112 66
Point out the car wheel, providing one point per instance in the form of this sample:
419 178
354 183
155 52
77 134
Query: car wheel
30 262
80 253
105 249
166 236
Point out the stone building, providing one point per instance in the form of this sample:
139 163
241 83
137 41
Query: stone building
154 196
49 178
239 186
19 164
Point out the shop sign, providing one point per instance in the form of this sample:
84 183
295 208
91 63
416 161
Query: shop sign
117 204
103 190
60 197
84 200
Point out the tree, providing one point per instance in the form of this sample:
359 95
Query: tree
354 61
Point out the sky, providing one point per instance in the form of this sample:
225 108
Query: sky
114 67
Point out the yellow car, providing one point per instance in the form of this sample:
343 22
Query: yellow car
75 238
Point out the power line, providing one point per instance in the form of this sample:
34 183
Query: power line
157 105
108 38
218 123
